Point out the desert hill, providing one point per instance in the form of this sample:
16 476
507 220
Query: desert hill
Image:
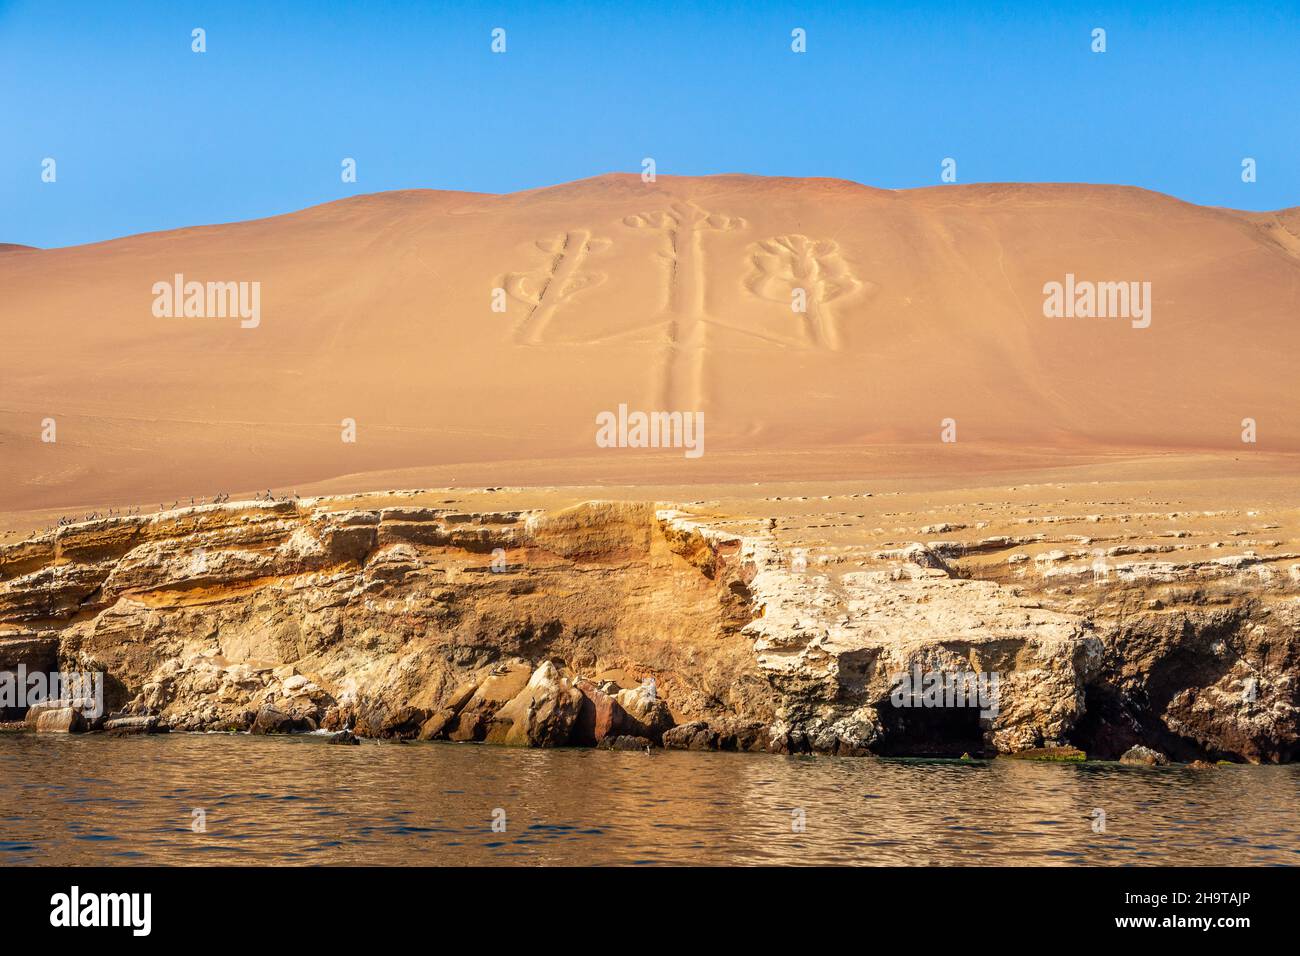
921 305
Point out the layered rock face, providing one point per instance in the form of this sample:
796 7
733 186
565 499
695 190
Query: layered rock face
390 621
623 622
1179 630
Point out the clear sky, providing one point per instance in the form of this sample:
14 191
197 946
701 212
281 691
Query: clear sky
149 135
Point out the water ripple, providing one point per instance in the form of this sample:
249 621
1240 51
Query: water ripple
75 800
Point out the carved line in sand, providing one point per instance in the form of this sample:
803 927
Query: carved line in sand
681 376
556 282
783 264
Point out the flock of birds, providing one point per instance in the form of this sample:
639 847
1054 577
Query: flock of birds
66 520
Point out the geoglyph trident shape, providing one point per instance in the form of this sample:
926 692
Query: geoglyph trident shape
558 281
809 274
683 225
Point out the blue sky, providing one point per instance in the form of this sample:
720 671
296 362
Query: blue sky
149 135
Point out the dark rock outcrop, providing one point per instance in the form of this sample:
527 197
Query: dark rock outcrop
269 720
695 735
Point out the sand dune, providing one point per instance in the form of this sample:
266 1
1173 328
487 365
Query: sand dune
921 305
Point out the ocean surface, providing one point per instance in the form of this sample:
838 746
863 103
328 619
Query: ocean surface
235 799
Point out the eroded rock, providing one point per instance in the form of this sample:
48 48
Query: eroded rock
541 715
59 720
600 716
127 726
649 714
270 720
1144 757
693 736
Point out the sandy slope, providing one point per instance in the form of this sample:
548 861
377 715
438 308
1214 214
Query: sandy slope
924 304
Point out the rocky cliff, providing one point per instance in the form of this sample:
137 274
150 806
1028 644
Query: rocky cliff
632 621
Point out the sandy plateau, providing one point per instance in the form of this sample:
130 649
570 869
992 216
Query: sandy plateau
475 568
